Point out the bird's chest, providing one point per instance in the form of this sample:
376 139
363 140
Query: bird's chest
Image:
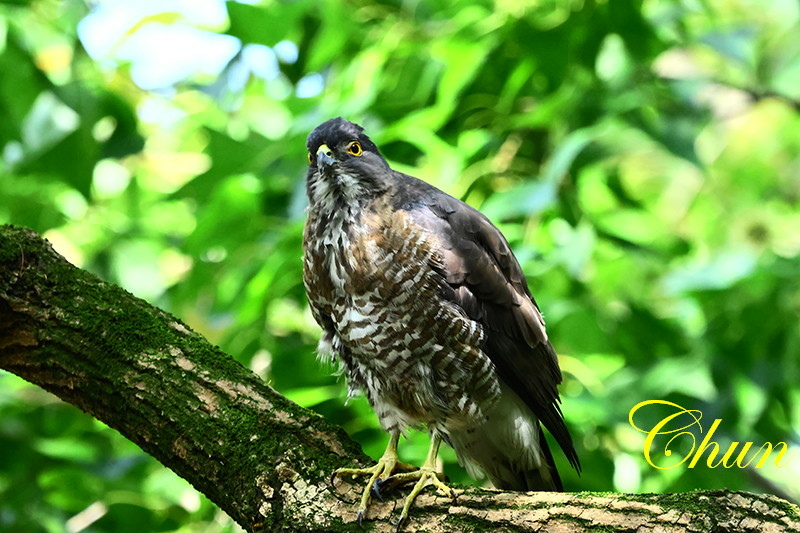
374 286
338 251
364 272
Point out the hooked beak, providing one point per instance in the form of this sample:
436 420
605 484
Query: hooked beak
325 159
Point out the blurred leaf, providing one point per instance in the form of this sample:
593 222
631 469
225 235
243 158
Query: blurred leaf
20 86
68 488
681 375
720 272
524 200
230 157
254 24
48 122
736 44
64 448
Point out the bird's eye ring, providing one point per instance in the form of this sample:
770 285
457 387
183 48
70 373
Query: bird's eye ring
354 148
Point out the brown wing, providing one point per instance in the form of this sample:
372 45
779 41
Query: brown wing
483 277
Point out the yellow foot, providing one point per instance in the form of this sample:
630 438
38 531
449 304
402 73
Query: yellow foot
383 474
378 474
424 477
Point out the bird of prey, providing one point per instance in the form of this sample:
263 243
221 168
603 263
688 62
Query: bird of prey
425 307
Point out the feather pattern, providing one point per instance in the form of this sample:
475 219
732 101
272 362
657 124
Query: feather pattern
426 308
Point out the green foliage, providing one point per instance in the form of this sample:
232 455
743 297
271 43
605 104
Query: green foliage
641 158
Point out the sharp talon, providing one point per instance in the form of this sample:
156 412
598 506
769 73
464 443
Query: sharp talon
400 522
333 477
453 495
376 489
359 517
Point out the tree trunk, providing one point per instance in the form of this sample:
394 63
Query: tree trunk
263 459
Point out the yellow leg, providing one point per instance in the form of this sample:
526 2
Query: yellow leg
424 477
387 464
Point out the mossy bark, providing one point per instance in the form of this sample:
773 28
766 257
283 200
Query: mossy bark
263 459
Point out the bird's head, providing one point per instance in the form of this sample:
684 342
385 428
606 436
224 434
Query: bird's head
344 163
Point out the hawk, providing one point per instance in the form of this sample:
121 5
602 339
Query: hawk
428 312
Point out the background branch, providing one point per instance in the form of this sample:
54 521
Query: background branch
263 459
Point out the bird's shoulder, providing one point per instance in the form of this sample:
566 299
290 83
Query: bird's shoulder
474 257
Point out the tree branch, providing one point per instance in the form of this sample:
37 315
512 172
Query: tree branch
263 459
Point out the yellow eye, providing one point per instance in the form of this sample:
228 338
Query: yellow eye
309 157
354 148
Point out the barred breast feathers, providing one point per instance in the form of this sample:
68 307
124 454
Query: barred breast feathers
386 311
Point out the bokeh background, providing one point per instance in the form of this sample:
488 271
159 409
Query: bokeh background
642 157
